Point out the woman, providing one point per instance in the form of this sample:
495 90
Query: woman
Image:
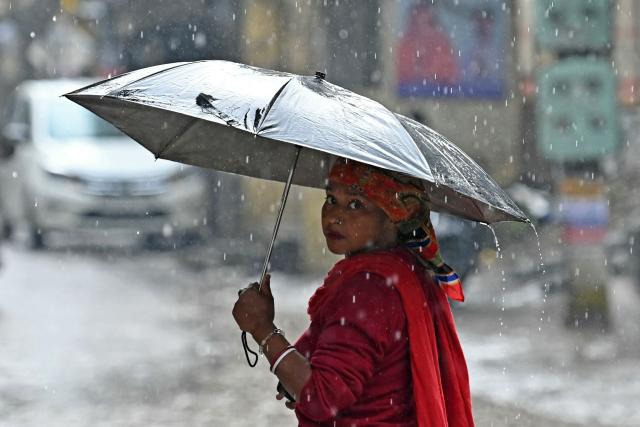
381 348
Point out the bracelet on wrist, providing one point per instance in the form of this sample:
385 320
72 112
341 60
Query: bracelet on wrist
263 343
280 357
272 359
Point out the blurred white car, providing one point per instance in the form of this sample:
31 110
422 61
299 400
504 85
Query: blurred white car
65 169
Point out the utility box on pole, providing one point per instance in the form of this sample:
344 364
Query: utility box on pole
574 25
577 110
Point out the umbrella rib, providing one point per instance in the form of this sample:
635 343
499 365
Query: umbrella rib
480 211
450 163
153 74
455 167
94 85
425 163
175 137
271 102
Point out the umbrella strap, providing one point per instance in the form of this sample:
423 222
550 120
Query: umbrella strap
247 350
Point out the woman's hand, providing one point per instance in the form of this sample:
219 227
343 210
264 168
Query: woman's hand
254 310
287 403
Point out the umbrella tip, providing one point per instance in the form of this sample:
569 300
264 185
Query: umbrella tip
320 75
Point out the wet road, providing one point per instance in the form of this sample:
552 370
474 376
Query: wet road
75 330
116 339
126 338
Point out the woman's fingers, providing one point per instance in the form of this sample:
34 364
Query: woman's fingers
288 404
249 286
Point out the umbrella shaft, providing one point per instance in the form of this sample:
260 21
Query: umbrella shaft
285 194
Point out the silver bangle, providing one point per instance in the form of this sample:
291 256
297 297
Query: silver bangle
281 358
276 331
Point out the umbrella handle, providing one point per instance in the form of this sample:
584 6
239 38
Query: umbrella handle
265 267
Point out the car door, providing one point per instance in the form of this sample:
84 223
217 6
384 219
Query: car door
17 126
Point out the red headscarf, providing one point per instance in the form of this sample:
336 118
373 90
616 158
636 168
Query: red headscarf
406 205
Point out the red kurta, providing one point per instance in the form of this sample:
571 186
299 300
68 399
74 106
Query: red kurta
358 347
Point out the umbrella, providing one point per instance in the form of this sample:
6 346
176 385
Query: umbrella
263 123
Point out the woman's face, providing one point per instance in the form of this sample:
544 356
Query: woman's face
351 223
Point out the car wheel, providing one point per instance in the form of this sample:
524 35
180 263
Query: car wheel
635 258
7 230
35 237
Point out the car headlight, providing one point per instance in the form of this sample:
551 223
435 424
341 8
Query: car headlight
64 177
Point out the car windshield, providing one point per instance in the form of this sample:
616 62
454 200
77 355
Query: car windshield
67 120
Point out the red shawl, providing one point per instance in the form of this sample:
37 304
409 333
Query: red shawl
439 372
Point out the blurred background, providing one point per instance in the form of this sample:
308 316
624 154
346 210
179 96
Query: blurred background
118 272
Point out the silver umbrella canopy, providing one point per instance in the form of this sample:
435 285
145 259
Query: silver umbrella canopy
246 120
